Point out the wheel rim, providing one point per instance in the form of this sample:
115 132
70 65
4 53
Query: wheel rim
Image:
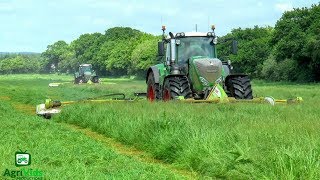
151 94
166 95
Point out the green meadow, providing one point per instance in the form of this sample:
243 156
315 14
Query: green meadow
160 140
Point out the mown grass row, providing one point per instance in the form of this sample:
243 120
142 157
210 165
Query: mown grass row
56 150
218 140
34 89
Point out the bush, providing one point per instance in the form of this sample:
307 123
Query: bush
280 71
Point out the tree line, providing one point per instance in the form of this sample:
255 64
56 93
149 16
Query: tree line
290 51
120 51
14 63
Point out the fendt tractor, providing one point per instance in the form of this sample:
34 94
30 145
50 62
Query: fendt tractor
190 69
85 75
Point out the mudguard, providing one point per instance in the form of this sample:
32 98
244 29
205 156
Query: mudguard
155 71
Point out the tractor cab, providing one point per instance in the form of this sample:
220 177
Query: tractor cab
194 44
85 68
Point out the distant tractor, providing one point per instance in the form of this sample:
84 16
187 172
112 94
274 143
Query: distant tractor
85 75
190 68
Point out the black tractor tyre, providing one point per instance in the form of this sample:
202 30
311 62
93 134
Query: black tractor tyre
95 79
79 80
176 86
153 89
47 116
76 80
239 87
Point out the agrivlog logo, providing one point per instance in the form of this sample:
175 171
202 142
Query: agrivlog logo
23 159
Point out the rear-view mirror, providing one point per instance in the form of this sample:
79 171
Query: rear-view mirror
161 48
234 47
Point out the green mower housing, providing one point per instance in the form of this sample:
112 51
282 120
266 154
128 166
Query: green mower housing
190 68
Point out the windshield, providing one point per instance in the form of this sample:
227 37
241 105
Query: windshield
194 46
85 68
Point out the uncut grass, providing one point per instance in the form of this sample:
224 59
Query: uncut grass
34 89
62 153
218 140
235 141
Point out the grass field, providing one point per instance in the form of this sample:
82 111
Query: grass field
160 140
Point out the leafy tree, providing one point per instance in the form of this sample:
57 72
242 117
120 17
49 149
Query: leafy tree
20 64
144 56
115 53
57 54
86 49
122 34
254 49
296 37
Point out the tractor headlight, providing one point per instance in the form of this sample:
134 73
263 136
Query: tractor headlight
215 40
181 34
211 34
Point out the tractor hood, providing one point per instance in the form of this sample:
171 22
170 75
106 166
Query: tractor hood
204 71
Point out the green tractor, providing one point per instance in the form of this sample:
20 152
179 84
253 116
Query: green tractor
190 68
85 75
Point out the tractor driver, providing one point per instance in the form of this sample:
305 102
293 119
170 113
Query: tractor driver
187 50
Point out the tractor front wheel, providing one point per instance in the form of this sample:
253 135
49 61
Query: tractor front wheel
176 86
95 79
153 89
240 87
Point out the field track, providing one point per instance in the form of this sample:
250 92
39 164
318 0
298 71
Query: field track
129 151
116 146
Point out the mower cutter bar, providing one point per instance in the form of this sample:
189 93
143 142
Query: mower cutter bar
269 100
51 107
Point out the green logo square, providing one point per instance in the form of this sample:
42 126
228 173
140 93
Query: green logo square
22 159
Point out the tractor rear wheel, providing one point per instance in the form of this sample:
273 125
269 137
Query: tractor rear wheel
240 87
176 86
95 79
153 89
77 80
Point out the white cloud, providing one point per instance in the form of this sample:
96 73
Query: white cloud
104 4
6 6
68 19
101 21
83 18
283 7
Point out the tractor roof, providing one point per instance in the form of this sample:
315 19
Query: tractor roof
195 34
85 65
191 34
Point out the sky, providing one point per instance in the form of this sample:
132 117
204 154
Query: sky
32 25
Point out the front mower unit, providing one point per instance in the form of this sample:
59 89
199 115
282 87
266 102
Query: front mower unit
51 107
